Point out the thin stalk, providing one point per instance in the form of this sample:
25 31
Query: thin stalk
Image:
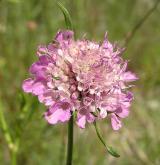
13 157
131 34
13 147
69 25
5 129
70 141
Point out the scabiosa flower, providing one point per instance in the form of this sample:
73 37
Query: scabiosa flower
81 76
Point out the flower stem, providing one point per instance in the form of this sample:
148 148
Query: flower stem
13 158
69 25
131 34
70 141
12 145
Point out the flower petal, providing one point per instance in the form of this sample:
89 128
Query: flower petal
28 85
122 112
57 116
129 76
59 112
38 88
103 113
116 123
90 118
64 35
81 121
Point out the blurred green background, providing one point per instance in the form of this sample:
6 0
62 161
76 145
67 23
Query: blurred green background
24 25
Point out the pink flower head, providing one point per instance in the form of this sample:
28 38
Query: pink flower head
86 77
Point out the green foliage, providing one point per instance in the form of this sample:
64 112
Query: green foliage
67 16
109 149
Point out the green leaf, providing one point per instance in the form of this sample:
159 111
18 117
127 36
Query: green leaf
110 150
66 16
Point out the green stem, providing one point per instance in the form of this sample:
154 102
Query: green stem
13 147
13 157
69 25
5 129
70 141
131 34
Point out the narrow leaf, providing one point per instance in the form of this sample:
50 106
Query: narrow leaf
113 152
110 150
66 16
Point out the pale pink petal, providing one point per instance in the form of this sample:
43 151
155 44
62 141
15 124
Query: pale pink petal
59 112
28 85
38 88
129 76
58 116
90 118
64 35
116 123
122 112
81 121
